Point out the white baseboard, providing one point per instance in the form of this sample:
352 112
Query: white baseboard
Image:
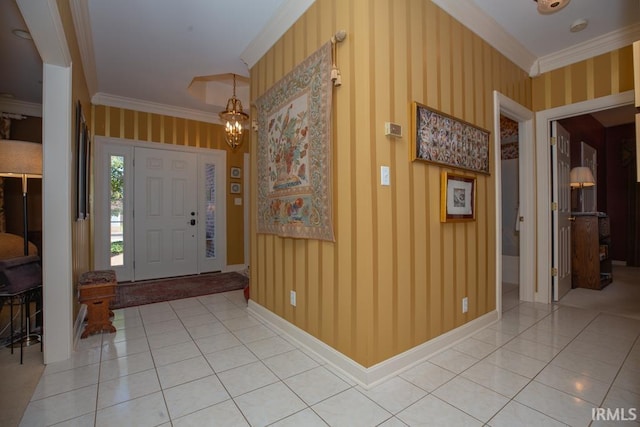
369 377
77 326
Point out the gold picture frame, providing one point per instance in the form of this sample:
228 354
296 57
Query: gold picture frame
457 197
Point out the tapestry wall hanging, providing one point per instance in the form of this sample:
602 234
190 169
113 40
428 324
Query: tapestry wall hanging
440 138
294 152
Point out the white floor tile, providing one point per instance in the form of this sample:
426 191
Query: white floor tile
395 394
472 398
169 338
247 378
269 347
164 327
532 349
194 396
237 323
124 348
556 404
516 362
316 385
269 404
183 371
500 380
61 407
144 411
584 365
230 358
306 418
475 348
433 412
351 408
291 363
114 368
175 353
128 387
253 333
494 337
217 342
517 415
453 360
208 329
201 319
64 381
226 414
586 388
427 376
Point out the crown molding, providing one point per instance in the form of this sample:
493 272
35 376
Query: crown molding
84 37
594 47
108 100
20 107
475 19
286 16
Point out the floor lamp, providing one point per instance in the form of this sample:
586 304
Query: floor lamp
581 177
20 159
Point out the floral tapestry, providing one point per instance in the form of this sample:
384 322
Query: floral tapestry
294 152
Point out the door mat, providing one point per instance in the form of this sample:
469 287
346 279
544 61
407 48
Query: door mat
131 294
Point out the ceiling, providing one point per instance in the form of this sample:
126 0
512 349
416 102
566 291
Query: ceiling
149 51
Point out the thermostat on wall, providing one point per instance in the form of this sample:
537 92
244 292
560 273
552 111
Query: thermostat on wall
392 129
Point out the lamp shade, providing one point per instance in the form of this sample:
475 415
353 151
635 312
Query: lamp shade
581 176
20 158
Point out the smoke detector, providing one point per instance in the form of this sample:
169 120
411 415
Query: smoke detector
551 6
578 25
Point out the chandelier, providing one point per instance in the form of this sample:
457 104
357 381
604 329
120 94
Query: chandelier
551 6
234 117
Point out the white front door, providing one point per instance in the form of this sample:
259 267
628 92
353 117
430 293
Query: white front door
561 163
165 213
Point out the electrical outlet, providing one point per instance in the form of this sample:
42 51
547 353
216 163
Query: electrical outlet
465 304
292 297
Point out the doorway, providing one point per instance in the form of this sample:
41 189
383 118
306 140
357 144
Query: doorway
160 210
545 234
504 106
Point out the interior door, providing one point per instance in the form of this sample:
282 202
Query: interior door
165 213
561 161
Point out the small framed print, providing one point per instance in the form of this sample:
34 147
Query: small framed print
457 198
236 173
235 188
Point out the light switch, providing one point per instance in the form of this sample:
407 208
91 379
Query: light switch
384 175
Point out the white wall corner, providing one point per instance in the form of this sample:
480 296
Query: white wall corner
101 98
286 16
82 25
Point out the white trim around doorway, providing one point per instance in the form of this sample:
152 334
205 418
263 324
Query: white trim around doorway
511 109
543 173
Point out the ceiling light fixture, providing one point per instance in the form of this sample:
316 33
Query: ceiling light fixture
235 117
551 6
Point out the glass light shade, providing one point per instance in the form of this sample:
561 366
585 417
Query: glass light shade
551 6
581 176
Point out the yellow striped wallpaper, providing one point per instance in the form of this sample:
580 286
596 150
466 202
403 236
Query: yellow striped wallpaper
134 125
607 74
395 276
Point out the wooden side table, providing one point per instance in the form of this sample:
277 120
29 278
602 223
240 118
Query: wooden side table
96 290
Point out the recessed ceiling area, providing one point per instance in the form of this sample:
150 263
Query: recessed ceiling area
616 116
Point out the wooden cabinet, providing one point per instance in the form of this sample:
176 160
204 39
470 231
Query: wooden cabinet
590 242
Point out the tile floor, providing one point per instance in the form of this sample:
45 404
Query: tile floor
206 361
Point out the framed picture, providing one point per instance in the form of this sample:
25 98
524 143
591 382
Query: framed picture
445 140
236 172
457 198
235 188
